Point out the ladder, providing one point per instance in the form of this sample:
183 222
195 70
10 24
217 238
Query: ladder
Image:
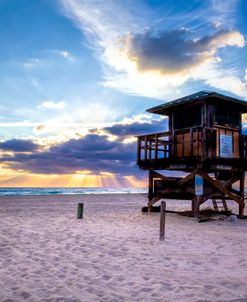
219 204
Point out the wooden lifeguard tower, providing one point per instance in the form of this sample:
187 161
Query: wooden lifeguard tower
205 140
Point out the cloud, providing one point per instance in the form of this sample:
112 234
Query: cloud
23 124
18 145
93 152
64 54
160 64
225 81
158 53
175 51
32 63
53 105
137 128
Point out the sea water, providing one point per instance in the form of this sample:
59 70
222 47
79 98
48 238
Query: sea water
66 191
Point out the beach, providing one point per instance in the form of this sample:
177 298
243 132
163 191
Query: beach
114 252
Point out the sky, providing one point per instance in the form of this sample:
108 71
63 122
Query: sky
76 77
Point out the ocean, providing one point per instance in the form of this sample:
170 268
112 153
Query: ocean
66 191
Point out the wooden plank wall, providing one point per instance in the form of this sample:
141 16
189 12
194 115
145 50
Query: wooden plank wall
188 144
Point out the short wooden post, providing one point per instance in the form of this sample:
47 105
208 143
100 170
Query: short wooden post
162 220
193 205
80 210
197 206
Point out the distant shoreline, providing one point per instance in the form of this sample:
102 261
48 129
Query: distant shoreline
66 191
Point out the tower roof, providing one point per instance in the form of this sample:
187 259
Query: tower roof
199 97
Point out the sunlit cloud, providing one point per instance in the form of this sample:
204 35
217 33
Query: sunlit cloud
70 122
19 124
174 52
95 159
156 65
102 157
158 59
53 105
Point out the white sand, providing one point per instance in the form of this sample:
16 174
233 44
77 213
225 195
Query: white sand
114 253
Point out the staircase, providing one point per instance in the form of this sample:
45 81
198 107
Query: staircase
220 204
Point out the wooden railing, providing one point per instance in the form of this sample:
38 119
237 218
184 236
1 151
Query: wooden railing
154 146
199 142
180 143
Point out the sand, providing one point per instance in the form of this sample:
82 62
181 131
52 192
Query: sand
114 253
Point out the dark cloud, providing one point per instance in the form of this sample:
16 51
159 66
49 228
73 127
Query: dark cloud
137 128
18 145
176 50
93 152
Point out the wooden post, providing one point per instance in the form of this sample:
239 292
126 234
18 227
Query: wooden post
156 147
139 144
150 189
162 220
241 206
197 206
193 206
150 185
191 141
204 147
80 210
146 148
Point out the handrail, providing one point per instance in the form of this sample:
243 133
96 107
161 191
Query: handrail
167 133
162 145
200 143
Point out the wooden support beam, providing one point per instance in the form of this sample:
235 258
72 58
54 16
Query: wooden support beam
186 178
145 149
192 206
225 184
220 187
155 199
241 206
151 185
156 147
204 150
158 175
191 142
172 188
149 149
139 149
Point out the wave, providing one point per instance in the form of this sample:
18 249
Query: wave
67 191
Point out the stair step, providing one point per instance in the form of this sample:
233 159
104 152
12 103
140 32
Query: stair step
219 204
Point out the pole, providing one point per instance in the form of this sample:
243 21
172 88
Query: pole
80 210
162 220
197 206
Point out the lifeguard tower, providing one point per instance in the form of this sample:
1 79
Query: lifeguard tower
205 140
